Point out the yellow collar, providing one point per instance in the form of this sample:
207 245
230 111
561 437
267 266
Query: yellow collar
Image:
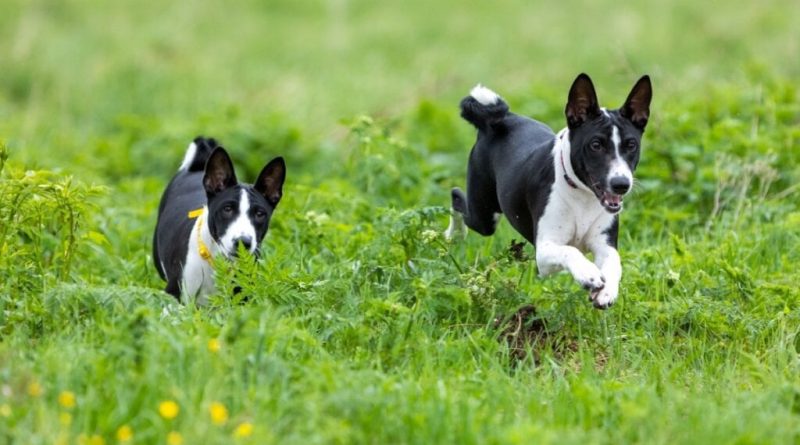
202 248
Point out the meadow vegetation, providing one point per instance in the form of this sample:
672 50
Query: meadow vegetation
361 324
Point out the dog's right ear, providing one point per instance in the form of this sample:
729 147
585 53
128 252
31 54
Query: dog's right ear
582 103
219 173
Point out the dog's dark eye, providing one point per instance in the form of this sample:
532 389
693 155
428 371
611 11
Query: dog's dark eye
260 214
596 145
228 210
631 144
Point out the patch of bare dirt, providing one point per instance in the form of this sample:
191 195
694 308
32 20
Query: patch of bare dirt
524 332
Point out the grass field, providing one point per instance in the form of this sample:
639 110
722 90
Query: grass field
362 325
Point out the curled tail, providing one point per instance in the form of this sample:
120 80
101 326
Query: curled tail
484 109
197 154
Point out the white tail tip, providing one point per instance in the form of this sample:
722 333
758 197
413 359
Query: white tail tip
189 157
484 95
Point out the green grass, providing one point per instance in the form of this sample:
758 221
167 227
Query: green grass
362 324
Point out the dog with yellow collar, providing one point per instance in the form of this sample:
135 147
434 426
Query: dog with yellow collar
205 213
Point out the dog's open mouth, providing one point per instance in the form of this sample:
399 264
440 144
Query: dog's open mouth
611 201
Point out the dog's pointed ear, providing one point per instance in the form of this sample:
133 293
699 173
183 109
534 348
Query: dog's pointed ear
219 173
270 180
637 106
582 103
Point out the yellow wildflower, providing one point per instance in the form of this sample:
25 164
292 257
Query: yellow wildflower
5 410
244 429
174 438
168 409
35 389
67 399
65 419
219 414
124 433
213 345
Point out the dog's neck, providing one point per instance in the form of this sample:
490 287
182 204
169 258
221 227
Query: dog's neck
582 201
564 171
202 241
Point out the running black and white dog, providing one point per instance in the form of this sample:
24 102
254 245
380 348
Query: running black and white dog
205 212
563 192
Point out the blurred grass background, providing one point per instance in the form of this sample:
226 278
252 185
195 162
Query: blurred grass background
73 69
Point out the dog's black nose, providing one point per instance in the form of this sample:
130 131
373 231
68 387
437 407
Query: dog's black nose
246 241
620 185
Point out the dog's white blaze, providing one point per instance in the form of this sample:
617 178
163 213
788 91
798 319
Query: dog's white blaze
241 226
615 138
618 166
484 95
189 157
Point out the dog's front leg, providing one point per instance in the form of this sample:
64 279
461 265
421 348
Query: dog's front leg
607 259
552 257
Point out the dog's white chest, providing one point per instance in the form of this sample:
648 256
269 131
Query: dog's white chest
198 274
572 218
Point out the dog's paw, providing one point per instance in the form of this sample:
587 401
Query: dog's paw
589 276
603 298
457 230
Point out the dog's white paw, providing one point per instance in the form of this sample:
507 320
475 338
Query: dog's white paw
457 230
604 298
589 276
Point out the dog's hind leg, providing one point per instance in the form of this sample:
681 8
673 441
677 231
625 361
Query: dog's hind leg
479 209
457 229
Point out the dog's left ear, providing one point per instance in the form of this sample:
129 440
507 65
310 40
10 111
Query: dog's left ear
270 180
219 173
637 106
